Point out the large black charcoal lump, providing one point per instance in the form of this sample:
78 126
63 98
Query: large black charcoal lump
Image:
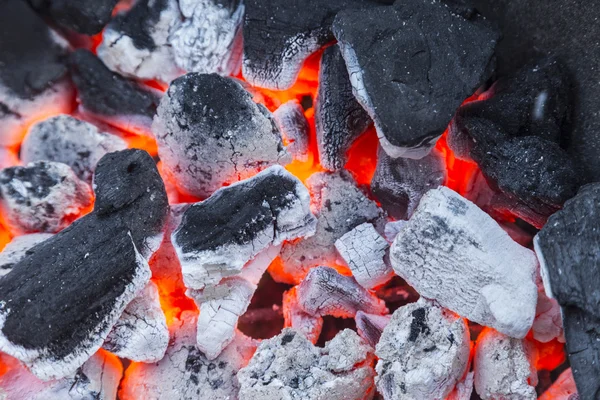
83 16
411 66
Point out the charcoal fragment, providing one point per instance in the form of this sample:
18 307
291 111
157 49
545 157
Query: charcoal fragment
294 129
298 319
370 326
83 16
18 248
563 388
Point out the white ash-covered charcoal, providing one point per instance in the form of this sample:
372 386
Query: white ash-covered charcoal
298 319
324 291
83 16
411 65
400 183
339 118
33 71
136 43
392 229
370 326
289 366
210 132
141 334
218 236
453 252
562 389
503 367
70 141
208 38
43 196
547 324
339 206
108 96
73 287
464 388
423 352
98 378
185 373
294 129
17 249
365 251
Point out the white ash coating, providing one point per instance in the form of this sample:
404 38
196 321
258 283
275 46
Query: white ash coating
392 229
502 368
294 128
548 324
464 388
289 366
455 253
299 320
423 352
17 248
370 326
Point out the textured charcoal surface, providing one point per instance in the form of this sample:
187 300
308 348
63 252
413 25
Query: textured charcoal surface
83 16
210 132
290 366
423 352
339 118
41 197
463 389
218 236
294 129
370 326
562 388
455 253
19 248
70 141
298 319
400 183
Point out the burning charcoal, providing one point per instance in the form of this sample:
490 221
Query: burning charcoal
83 16
294 128
562 389
502 367
218 236
8 158
135 43
210 133
411 65
41 197
141 334
70 141
296 318
339 118
453 252
18 249
208 40
423 352
548 320
364 250
185 373
98 378
325 292
463 389
109 97
340 206
400 183
370 326
90 271
290 366
32 71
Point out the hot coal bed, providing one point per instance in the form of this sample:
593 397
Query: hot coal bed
299 199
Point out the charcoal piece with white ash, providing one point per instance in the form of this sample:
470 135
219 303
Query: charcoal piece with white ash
18 248
136 43
89 271
423 352
208 39
218 236
141 334
294 129
370 326
503 367
324 291
453 252
70 141
339 118
340 206
411 65
298 319
563 388
42 196
548 323
400 183
210 132
83 16
290 366
108 96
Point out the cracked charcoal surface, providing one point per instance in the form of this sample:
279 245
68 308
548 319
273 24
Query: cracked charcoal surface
325 292
298 319
141 334
423 352
210 132
411 66
17 249
83 16
41 197
340 206
73 142
454 253
135 43
502 368
290 366
208 39
400 183
370 326
91 270
294 129
185 373
218 236
339 118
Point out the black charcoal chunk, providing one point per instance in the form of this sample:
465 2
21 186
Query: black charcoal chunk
339 118
83 16
411 65
400 183
294 129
